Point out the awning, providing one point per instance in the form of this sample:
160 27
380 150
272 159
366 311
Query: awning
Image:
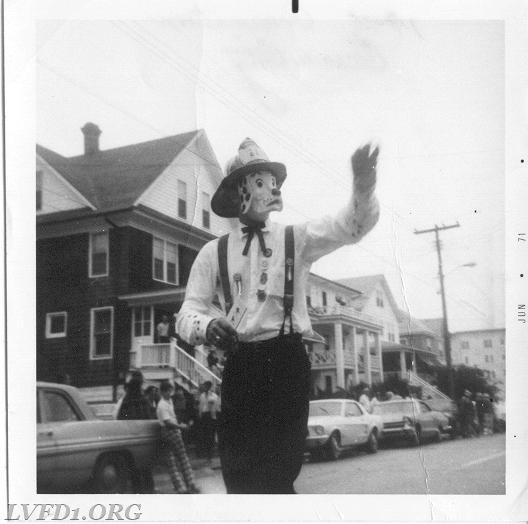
149 298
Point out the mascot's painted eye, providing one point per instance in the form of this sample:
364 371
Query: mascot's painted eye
259 182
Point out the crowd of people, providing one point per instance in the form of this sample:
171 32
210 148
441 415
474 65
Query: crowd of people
186 420
476 415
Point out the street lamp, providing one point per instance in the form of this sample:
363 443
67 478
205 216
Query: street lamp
447 337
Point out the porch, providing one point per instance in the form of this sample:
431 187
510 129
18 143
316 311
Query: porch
351 352
168 361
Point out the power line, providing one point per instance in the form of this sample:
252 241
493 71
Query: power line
226 98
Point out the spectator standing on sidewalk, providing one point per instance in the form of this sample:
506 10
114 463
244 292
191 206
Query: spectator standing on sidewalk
134 405
487 415
208 408
180 469
364 400
467 415
152 395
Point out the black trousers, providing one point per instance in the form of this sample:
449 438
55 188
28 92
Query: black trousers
207 434
263 424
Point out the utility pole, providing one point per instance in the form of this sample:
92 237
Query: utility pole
447 338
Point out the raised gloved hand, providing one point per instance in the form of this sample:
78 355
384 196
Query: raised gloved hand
364 162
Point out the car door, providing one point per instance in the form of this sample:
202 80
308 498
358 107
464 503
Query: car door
46 449
427 419
357 423
62 422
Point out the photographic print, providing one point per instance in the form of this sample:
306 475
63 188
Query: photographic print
270 257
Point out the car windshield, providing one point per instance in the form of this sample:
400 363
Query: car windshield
323 409
406 408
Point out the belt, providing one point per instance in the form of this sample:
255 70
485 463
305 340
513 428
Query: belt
268 343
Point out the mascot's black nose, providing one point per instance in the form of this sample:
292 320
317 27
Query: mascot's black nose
275 192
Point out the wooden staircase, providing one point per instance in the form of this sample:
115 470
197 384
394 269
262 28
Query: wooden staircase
428 390
171 362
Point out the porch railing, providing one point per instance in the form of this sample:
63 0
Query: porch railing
427 388
192 370
152 355
173 356
322 358
347 311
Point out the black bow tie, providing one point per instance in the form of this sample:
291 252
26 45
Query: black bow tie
250 231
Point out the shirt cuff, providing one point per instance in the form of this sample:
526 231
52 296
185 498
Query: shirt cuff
198 323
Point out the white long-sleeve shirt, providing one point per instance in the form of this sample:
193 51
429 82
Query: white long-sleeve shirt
263 319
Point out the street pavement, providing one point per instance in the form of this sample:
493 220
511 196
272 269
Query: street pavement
462 466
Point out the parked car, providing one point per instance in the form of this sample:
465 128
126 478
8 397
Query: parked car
76 451
412 420
338 424
450 409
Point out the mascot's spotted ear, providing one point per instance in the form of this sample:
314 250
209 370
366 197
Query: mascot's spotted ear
244 194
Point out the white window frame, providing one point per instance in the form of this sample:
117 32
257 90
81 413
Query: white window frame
49 334
143 322
90 269
93 356
182 185
177 270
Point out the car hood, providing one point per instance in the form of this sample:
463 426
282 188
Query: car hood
322 420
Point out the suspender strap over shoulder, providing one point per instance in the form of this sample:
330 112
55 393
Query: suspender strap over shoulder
289 273
289 267
224 275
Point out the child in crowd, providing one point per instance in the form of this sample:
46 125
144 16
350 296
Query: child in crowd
171 437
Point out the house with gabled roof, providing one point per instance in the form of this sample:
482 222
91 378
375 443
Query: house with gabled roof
351 350
405 340
117 233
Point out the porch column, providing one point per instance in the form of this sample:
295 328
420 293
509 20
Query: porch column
380 355
413 362
403 364
367 357
353 336
340 358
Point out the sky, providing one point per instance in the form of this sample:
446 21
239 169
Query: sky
310 92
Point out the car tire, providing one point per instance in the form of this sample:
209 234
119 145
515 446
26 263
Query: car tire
416 437
372 442
333 448
113 474
438 435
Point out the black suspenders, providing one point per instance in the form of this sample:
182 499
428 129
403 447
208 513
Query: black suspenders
289 266
224 275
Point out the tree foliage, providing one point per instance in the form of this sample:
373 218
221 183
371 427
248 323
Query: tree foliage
464 377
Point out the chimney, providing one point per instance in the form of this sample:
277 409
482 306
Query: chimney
91 138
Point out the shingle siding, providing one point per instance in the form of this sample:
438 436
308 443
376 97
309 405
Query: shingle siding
63 285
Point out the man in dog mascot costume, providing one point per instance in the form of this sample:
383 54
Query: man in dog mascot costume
258 274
